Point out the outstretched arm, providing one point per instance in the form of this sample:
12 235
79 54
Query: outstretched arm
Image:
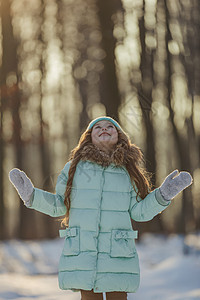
156 201
45 202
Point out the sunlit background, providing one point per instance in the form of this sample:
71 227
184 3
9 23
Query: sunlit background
65 62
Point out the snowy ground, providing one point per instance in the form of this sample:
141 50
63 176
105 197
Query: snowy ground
170 269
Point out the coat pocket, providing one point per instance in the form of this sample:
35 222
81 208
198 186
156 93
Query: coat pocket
123 243
72 240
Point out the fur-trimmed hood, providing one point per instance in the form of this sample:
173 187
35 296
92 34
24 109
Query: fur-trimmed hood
120 156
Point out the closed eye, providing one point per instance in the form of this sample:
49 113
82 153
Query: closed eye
98 126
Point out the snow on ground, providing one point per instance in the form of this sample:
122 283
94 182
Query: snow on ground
170 269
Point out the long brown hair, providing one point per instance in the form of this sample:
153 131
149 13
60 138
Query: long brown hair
134 164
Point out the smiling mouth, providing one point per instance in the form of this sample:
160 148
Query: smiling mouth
104 133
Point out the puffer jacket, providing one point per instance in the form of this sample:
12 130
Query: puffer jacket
99 249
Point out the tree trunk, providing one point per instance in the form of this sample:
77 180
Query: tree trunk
186 219
9 94
109 92
145 98
2 104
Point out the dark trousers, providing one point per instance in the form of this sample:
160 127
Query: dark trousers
90 295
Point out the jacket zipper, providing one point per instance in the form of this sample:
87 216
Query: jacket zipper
98 223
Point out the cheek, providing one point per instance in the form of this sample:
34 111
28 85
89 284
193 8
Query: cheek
115 136
94 136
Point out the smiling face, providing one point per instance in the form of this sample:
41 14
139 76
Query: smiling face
104 135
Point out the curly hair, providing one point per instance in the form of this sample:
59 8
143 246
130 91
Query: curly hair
134 163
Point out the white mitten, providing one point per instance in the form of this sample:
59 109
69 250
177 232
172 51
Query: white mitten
22 184
175 183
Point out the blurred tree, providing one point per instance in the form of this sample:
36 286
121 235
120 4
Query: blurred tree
185 221
12 98
145 89
47 228
145 95
3 71
109 90
9 90
190 20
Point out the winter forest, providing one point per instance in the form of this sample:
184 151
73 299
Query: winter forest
65 62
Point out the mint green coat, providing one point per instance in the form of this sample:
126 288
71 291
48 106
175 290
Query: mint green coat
99 249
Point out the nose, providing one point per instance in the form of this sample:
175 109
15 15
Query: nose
103 129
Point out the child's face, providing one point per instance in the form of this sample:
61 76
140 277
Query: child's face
104 134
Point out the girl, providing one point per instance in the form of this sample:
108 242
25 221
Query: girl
99 190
